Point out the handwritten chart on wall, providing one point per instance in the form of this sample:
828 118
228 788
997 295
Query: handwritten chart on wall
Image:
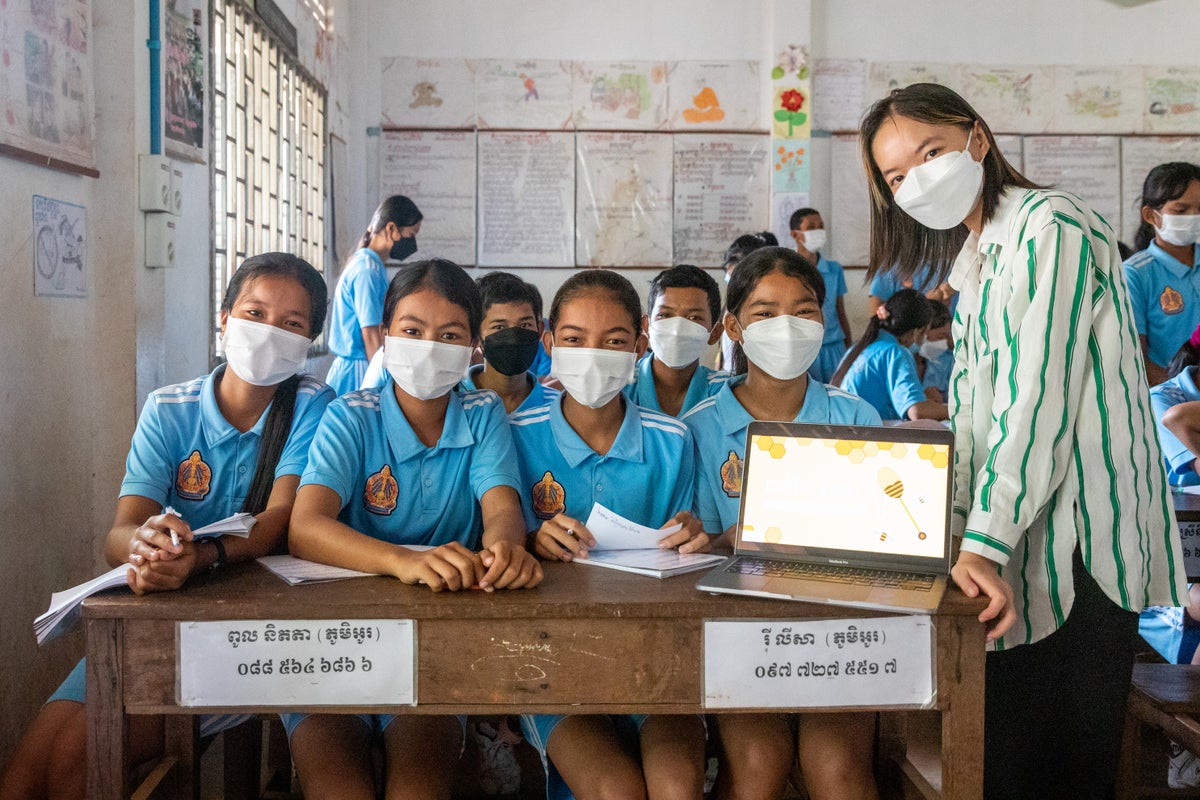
850 220
526 199
620 95
623 200
46 80
437 170
722 186
428 92
839 93
526 95
1083 165
714 95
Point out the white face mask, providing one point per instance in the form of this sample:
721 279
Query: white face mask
1180 230
940 193
932 349
592 377
422 368
784 347
262 354
815 239
677 341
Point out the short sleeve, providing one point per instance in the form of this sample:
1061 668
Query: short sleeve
904 386
148 468
494 461
337 451
882 286
840 280
310 407
367 291
704 503
1136 280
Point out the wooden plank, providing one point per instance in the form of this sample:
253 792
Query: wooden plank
181 740
1174 688
960 676
107 726
148 788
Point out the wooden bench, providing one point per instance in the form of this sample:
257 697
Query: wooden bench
1164 698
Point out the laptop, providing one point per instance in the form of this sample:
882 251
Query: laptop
849 515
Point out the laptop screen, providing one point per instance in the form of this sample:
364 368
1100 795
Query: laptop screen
870 496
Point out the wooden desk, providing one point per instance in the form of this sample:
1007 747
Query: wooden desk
637 640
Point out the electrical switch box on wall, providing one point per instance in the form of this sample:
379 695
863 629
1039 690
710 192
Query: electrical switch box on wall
154 183
160 240
176 191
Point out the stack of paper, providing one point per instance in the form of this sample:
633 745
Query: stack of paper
627 546
237 525
296 570
64 605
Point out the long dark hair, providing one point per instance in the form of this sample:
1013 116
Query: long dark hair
398 209
442 276
751 269
278 424
904 311
898 242
1164 183
603 281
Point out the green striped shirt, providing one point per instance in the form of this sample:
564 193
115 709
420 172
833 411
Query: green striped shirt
1054 437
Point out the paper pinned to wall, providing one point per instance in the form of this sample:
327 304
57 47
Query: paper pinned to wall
1097 100
623 198
525 95
526 199
1011 99
620 95
1012 147
722 186
782 208
839 93
885 76
1172 99
1086 166
714 95
1139 155
850 213
428 92
437 170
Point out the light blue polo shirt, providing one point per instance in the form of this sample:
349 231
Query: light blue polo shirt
938 372
885 375
357 303
539 396
1179 460
1166 299
719 427
646 476
886 284
705 383
392 486
185 454
835 287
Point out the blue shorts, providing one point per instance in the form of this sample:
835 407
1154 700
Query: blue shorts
73 689
827 361
376 723
346 374
538 728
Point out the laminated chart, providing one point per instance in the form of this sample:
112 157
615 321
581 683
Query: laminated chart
722 187
525 95
437 170
620 95
714 95
623 197
428 92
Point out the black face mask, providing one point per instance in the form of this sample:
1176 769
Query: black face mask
512 350
403 248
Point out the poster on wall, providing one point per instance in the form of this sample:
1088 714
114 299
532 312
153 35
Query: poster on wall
722 186
850 212
1172 99
428 92
1011 99
525 95
623 200
620 95
714 95
185 78
1083 165
839 93
46 87
437 170
526 199
59 248
1097 100
782 208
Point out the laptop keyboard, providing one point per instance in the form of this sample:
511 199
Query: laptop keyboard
846 575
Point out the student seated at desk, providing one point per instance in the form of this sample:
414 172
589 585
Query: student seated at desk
881 368
234 440
935 358
415 463
685 305
595 445
512 332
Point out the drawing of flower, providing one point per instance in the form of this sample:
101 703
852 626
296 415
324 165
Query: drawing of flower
791 101
792 60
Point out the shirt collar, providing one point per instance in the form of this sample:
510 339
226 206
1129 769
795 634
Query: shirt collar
887 336
990 240
1171 263
735 418
403 440
216 428
627 446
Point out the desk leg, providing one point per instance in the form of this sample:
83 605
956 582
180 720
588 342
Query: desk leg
181 733
107 727
960 688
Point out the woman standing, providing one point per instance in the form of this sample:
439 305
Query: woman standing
354 332
1060 492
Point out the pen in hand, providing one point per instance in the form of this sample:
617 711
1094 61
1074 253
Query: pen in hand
174 535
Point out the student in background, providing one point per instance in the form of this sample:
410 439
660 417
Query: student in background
511 331
808 230
234 440
1051 419
774 313
413 464
594 445
1164 284
685 304
354 332
881 367
935 359
741 247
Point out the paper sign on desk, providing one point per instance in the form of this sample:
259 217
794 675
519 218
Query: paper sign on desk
1189 535
614 532
291 663
880 661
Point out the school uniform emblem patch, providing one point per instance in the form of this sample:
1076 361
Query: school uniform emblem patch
549 497
1170 301
731 475
380 492
193 478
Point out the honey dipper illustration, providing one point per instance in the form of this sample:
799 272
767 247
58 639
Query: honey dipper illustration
889 481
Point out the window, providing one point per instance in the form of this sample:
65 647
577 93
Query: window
268 158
